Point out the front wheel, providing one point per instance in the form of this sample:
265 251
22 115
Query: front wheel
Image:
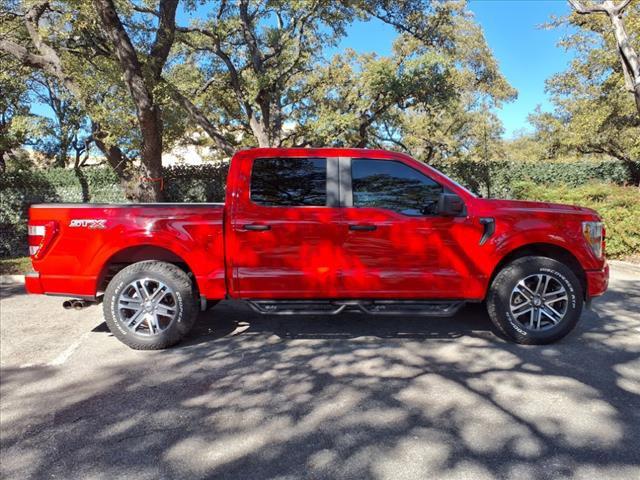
535 300
150 305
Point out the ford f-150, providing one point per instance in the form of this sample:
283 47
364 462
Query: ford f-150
323 231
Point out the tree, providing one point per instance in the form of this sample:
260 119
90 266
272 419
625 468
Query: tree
593 115
14 108
255 74
244 67
628 56
141 86
56 133
95 61
433 100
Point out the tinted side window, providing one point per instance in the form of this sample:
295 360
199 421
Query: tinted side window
394 186
289 181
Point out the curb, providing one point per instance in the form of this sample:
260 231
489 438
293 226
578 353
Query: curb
626 266
11 279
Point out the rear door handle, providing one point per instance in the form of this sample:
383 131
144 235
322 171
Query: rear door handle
363 228
258 227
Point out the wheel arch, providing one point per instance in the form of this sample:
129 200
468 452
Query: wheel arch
140 253
548 250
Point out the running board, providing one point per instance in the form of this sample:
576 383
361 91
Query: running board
434 308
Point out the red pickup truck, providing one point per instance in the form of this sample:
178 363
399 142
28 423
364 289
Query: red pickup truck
322 231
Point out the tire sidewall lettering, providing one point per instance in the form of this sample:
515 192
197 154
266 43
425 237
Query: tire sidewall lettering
114 314
565 283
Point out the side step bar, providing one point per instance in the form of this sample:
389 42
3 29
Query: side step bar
435 308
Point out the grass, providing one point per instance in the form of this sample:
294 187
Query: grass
15 266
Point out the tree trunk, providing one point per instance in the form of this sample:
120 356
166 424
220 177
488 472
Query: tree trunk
628 56
62 157
259 131
151 157
143 184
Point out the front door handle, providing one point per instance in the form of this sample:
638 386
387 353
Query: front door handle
258 227
363 228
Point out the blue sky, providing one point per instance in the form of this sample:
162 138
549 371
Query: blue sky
527 54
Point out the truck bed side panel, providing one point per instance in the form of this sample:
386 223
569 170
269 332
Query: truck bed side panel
74 264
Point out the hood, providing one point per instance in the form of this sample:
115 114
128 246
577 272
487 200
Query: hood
527 205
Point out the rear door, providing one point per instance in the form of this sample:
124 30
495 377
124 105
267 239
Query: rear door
286 231
396 245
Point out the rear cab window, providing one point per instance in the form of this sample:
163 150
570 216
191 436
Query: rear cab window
289 182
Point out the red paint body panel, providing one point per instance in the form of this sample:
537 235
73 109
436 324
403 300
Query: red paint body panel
77 256
309 252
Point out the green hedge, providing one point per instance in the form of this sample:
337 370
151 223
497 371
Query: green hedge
618 206
496 178
206 183
202 183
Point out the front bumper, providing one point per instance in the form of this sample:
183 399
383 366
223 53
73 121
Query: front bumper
597 281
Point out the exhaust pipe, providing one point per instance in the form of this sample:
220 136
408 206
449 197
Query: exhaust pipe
75 304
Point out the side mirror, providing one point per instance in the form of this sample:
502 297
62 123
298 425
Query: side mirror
450 205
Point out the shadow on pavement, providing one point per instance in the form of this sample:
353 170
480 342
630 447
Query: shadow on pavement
251 397
8 290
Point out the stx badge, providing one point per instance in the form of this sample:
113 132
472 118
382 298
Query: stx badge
93 224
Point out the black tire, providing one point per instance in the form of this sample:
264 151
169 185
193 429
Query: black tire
502 288
186 306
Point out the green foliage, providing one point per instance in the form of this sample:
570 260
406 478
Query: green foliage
203 183
14 107
619 207
15 266
195 183
496 178
594 113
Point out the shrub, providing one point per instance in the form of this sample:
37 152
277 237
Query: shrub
189 183
496 178
619 207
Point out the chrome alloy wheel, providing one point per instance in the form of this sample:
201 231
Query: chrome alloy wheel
539 302
147 306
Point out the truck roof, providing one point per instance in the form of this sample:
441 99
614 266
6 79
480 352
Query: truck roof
321 151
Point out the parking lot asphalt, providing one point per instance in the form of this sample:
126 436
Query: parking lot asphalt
345 397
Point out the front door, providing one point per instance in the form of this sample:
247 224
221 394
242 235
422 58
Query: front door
286 230
396 245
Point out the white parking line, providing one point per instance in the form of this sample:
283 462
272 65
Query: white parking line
66 354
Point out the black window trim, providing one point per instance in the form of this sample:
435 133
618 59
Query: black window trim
346 188
332 182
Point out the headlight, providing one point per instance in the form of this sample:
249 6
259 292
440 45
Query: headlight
594 235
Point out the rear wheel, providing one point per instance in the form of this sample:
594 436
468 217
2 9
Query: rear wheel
535 300
150 305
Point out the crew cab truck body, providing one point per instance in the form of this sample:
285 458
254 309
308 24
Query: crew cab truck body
323 231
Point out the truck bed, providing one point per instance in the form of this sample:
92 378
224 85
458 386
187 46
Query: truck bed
88 242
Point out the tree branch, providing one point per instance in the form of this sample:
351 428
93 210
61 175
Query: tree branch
23 55
200 119
164 36
580 8
620 8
